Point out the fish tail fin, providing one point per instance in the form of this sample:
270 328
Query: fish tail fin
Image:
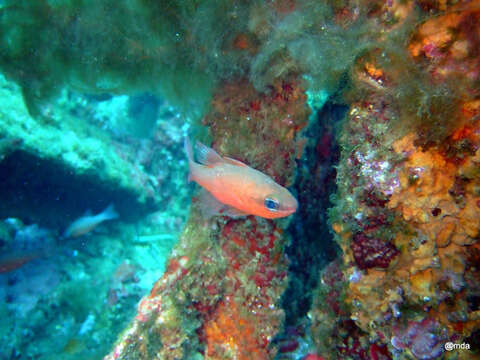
66 234
187 146
109 213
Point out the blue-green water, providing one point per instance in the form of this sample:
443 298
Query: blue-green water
69 297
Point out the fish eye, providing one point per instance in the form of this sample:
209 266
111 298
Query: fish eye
271 204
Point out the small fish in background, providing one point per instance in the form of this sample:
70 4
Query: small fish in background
24 243
15 261
88 222
235 189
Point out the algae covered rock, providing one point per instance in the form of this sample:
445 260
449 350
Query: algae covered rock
243 75
406 202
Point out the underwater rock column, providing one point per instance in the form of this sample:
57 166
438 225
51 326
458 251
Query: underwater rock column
408 200
220 296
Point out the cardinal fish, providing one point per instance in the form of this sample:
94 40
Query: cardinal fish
235 189
88 222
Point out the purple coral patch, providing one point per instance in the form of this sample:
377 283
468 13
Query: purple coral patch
371 252
424 338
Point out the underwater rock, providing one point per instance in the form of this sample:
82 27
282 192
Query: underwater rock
424 338
29 284
333 329
406 209
47 165
408 184
220 295
372 252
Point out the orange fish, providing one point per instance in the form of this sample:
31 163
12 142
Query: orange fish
235 188
15 261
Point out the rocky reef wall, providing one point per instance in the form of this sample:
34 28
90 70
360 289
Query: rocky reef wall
405 210
406 205
220 297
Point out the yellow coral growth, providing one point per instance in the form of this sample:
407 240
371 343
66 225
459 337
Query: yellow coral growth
229 335
436 32
434 211
449 39
441 214
367 294
426 196
422 284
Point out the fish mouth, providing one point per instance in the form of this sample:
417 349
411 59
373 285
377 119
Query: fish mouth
290 209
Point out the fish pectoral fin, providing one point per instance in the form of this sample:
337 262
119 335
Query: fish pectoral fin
232 212
234 162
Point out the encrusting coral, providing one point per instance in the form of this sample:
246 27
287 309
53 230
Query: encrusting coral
409 201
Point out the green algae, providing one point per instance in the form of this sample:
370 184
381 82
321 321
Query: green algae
122 47
309 42
180 50
425 105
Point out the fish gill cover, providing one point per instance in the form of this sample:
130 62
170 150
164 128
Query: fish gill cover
253 76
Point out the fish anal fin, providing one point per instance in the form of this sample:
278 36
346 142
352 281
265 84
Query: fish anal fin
234 162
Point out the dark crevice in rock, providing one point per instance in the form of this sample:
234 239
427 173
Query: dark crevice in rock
47 192
312 245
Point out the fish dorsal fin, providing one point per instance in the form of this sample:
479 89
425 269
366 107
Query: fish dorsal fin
234 162
207 156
